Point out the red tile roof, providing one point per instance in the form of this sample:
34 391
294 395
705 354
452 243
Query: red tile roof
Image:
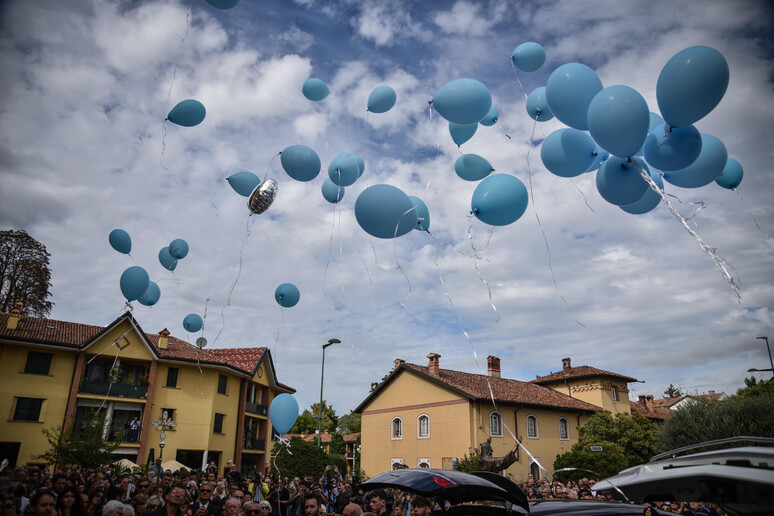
476 386
245 358
49 331
651 412
667 402
351 438
579 372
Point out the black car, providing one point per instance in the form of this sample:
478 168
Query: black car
489 494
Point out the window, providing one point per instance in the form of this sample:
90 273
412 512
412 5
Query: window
423 462
614 391
396 464
170 414
532 427
397 428
222 381
495 424
38 363
423 426
172 377
534 467
218 427
27 409
564 429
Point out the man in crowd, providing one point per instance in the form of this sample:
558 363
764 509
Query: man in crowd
232 507
203 506
421 506
312 504
174 503
378 502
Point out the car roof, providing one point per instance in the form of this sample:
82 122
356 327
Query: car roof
739 479
454 486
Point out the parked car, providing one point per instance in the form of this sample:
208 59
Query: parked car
489 494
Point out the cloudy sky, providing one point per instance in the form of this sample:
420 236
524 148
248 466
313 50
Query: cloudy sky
86 86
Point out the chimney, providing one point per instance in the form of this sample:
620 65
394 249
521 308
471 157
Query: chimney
712 393
493 366
433 364
566 364
399 362
163 338
15 315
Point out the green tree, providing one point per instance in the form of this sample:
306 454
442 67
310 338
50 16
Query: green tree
626 440
469 463
24 273
754 387
306 459
338 447
329 418
349 423
701 421
305 424
375 385
672 392
83 446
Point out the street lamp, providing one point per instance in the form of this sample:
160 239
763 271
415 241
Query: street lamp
770 360
322 376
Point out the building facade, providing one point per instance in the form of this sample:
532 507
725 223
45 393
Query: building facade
60 373
425 416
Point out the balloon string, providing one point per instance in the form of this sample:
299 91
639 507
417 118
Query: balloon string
268 168
582 195
341 274
543 232
330 249
248 230
276 338
719 262
221 182
463 253
395 254
518 80
747 210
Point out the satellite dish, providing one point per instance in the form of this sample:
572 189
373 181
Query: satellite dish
201 342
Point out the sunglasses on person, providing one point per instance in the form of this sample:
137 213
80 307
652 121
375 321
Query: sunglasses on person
143 486
205 490
253 511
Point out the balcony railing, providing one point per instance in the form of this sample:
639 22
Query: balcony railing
255 408
250 443
124 390
350 455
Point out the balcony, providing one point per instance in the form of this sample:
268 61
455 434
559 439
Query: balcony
255 408
250 443
351 455
123 390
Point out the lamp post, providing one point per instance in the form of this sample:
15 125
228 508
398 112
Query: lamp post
770 360
322 377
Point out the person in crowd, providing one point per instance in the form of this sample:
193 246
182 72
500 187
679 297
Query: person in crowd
41 503
312 505
202 506
279 498
232 507
174 503
138 502
252 508
154 502
113 508
421 506
96 499
378 503
352 509
69 503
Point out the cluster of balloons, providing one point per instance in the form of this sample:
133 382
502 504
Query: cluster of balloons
169 255
135 283
611 130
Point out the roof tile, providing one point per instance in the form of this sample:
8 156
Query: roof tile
579 372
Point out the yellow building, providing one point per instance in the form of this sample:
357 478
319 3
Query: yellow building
56 373
425 416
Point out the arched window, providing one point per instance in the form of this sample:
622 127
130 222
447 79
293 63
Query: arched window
534 469
495 424
564 429
532 426
423 426
397 428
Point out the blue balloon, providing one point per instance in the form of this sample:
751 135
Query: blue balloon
167 260
243 183
463 101
462 133
619 182
222 4
178 248
529 56
707 167
315 89
691 84
332 192
569 91
499 200
360 164
618 119
655 121
187 113
384 211
472 167
300 162
600 155
120 241
151 295
134 282
287 295
344 170
731 176
568 152
537 106
650 200
283 413
423 223
672 148
381 99
491 118
193 323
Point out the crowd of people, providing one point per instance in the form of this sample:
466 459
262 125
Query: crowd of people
75 491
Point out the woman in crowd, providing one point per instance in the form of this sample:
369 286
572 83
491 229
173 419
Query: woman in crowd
154 502
69 503
138 502
96 499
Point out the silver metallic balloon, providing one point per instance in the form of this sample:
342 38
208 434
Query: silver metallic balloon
262 196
